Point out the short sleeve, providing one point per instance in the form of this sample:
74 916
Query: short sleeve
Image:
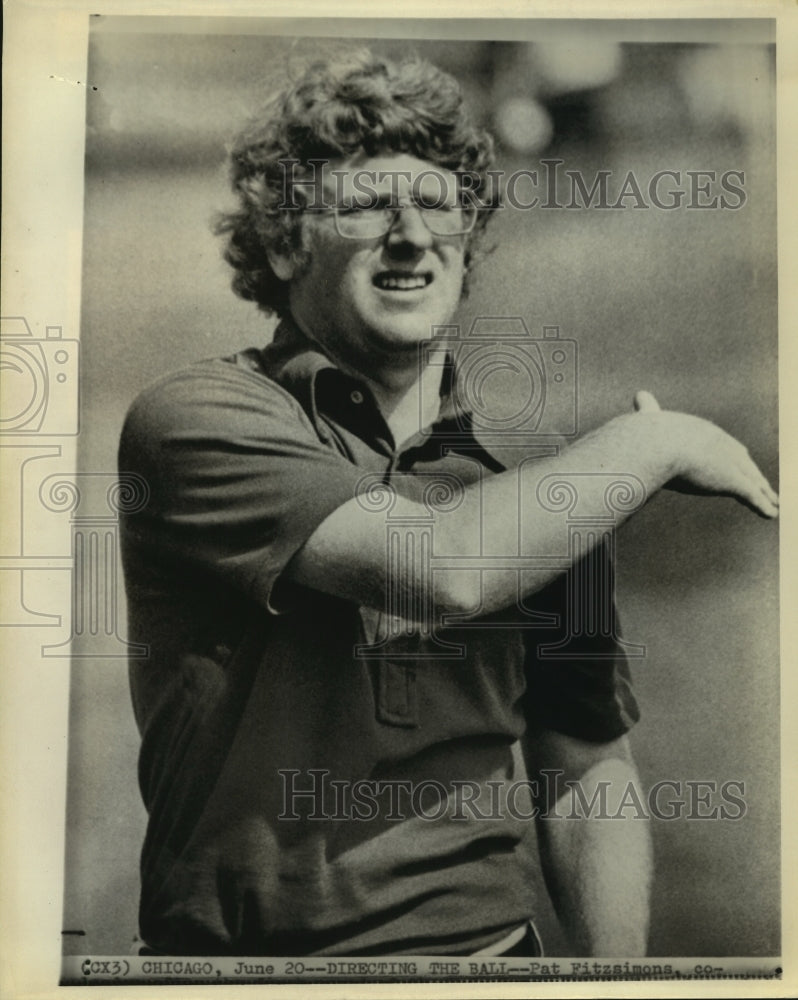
578 677
238 479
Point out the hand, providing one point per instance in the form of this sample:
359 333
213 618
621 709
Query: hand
711 462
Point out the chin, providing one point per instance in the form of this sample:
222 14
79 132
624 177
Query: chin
405 335
408 329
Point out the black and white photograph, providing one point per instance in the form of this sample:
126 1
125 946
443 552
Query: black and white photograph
415 469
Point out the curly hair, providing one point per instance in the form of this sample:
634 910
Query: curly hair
361 102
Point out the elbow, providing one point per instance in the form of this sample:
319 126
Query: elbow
458 593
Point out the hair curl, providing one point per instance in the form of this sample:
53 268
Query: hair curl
361 102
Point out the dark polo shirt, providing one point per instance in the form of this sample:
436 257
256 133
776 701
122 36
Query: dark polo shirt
317 783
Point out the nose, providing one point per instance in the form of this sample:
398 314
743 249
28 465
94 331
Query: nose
409 229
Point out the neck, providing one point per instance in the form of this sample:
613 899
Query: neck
408 395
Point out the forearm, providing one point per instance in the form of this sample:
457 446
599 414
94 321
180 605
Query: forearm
524 512
598 871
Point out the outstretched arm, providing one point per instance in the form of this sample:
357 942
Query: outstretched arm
346 555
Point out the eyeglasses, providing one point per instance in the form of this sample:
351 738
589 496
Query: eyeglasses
366 222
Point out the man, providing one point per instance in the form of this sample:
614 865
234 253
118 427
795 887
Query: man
333 735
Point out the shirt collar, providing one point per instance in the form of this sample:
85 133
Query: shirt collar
295 362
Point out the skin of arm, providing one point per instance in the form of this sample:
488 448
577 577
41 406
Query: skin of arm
598 871
346 555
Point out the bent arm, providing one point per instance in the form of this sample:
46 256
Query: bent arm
346 555
597 870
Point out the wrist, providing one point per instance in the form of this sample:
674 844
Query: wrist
645 444
659 440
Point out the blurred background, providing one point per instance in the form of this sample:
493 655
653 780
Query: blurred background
681 302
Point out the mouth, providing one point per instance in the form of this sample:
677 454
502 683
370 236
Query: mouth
401 281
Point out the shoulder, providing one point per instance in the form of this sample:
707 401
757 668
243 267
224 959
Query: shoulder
218 406
217 393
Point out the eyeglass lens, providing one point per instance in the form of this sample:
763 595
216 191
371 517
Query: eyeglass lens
377 221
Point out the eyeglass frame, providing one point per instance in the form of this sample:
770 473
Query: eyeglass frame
395 208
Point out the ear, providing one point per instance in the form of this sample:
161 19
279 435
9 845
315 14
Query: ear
282 264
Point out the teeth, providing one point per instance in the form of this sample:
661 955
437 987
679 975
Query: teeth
404 283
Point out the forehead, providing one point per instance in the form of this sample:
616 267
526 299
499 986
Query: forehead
389 172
